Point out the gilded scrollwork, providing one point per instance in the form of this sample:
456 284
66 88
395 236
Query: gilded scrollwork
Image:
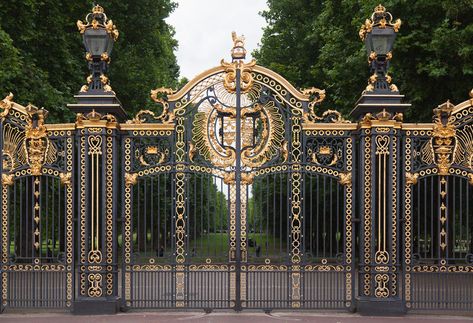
267 267
180 210
66 178
324 267
6 104
95 289
192 151
442 268
8 179
97 149
131 179
160 96
247 178
13 152
345 178
329 116
464 147
411 178
246 78
381 289
147 115
314 95
36 267
151 267
208 267
284 151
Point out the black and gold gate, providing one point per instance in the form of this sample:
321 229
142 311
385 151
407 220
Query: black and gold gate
238 196
37 209
236 192
438 216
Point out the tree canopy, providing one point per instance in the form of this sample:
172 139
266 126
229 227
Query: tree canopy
310 42
316 43
42 57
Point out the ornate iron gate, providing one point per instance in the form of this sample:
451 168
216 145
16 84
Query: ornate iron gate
438 219
255 215
37 209
236 194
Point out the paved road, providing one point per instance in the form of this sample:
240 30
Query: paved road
226 317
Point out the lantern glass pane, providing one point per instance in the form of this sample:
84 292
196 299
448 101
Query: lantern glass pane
95 41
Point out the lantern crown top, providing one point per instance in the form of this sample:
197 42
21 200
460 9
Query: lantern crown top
380 18
379 9
98 19
97 9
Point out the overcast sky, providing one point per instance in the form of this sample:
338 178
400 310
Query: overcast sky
204 31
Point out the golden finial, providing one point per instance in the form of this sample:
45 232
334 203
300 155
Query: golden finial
238 41
238 50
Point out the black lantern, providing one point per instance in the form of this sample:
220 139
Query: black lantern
380 41
98 33
379 34
98 41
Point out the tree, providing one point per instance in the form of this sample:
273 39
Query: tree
144 55
42 57
316 43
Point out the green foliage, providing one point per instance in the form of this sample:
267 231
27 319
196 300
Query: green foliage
42 57
316 43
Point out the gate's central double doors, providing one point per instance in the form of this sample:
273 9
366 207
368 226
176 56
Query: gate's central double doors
236 207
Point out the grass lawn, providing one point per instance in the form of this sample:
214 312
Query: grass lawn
216 245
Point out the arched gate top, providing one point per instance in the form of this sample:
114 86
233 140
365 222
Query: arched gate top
256 68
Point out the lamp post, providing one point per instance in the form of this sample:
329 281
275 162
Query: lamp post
380 112
379 34
98 35
99 113
380 95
